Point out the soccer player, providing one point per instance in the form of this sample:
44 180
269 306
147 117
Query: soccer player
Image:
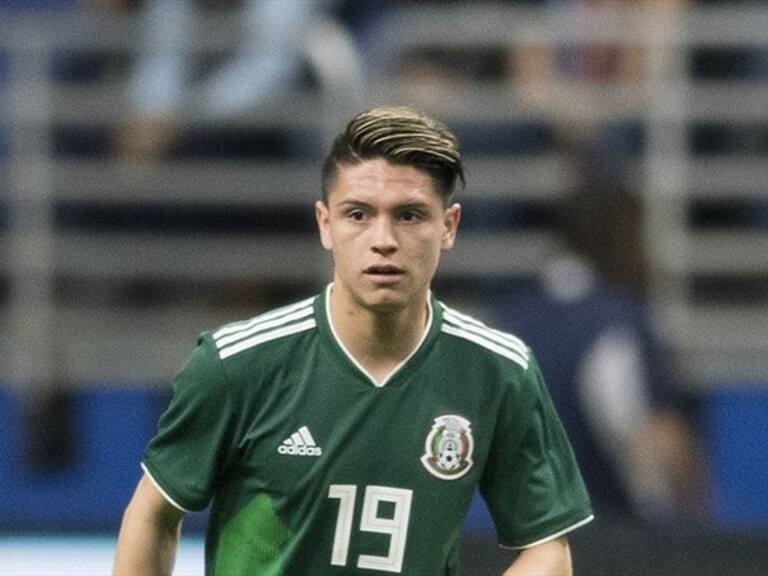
347 433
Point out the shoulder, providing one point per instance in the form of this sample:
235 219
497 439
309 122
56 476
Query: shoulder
229 364
245 337
499 346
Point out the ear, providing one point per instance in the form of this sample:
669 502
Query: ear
451 219
322 215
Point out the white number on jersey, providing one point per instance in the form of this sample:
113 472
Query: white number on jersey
396 526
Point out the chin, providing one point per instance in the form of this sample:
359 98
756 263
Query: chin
379 299
393 301
384 300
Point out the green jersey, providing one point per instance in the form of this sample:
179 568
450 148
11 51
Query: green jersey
314 468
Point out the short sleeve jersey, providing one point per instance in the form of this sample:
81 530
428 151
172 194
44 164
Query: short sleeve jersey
312 468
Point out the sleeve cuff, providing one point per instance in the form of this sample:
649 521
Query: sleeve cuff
162 491
551 537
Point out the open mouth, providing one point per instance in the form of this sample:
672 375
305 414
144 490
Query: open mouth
384 270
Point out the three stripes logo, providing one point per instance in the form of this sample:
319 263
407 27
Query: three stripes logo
300 443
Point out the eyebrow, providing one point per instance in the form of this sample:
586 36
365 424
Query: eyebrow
353 202
363 204
414 206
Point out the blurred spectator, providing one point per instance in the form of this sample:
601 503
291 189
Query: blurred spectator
270 60
564 84
610 378
550 76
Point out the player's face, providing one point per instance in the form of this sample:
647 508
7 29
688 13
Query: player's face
386 226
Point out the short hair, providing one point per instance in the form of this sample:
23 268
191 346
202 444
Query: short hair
402 136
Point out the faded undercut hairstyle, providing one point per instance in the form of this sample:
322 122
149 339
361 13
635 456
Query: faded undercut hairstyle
401 136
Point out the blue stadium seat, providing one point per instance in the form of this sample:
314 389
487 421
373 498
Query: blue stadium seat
736 420
10 450
112 425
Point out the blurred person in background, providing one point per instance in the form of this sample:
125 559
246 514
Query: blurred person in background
576 83
270 60
569 84
613 382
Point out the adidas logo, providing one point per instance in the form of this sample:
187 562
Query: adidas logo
300 443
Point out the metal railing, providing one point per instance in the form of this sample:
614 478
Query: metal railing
96 339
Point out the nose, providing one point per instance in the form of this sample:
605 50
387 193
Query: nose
384 239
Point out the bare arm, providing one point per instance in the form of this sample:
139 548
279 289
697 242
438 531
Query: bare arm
149 534
549 559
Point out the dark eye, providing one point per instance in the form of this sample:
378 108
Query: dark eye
410 216
356 215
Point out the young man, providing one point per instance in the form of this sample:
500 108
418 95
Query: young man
346 434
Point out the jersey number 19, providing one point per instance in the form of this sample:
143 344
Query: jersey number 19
395 526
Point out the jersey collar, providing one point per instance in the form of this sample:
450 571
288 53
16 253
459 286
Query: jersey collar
434 316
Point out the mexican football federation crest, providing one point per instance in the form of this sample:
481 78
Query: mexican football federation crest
448 448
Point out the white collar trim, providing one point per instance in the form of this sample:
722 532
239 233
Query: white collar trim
430 317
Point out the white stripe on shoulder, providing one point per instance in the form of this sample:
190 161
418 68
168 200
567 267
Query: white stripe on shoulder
224 341
241 345
486 343
245 325
476 327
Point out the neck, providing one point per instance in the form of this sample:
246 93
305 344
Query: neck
378 340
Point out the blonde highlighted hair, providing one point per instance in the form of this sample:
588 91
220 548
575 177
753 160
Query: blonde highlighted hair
402 136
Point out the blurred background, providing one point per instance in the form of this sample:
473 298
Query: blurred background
158 164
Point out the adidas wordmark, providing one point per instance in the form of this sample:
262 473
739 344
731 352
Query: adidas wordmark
300 443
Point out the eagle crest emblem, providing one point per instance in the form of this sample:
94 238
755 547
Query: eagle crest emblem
448 447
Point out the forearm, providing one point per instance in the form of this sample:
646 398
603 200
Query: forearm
549 559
